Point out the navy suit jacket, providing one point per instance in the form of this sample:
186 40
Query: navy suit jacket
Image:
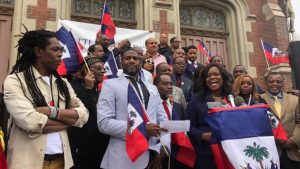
190 69
186 86
179 110
196 112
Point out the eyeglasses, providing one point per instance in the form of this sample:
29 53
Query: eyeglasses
149 61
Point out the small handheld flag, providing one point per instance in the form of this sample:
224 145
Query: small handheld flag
136 135
204 50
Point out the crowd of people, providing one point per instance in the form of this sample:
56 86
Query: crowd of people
81 123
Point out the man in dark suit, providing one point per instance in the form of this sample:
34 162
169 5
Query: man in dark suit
286 108
192 63
164 86
179 65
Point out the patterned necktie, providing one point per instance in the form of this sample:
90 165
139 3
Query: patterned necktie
178 82
277 106
167 109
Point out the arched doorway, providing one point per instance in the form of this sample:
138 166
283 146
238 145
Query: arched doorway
200 23
222 25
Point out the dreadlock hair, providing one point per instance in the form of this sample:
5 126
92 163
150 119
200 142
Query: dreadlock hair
25 59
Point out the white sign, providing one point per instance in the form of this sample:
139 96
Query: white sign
86 33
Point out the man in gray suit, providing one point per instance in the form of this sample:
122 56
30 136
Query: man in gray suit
112 114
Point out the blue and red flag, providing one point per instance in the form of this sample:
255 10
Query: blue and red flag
204 50
242 137
277 128
136 135
111 69
182 148
72 56
3 164
108 27
274 55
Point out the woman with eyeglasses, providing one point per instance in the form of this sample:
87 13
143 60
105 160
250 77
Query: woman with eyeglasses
148 64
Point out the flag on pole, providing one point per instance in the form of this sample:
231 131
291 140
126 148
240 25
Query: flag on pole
274 55
136 135
204 50
72 56
246 143
108 27
111 69
182 149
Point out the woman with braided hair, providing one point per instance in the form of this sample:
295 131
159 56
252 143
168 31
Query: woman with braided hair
42 105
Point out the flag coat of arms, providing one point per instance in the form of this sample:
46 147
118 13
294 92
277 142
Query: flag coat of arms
245 136
182 149
136 136
72 56
274 55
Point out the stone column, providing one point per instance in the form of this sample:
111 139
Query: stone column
37 14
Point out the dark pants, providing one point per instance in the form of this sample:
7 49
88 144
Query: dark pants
174 164
205 162
287 163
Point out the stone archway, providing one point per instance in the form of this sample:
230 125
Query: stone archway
238 23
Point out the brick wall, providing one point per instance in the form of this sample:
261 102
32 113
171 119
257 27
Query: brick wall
163 25
273 31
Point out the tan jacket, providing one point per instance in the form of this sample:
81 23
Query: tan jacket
27 144
289 107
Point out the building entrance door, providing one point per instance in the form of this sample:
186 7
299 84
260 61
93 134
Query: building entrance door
217 46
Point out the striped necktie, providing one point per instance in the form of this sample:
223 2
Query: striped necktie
277 106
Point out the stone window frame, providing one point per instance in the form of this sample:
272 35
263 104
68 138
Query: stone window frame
92 11
189 19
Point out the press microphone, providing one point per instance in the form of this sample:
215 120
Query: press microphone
239 101
231 99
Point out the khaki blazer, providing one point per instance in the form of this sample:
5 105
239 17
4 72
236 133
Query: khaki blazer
289 108
27 143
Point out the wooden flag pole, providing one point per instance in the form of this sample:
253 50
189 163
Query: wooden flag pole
262 44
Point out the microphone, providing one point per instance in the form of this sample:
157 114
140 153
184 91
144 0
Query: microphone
239 101
231 99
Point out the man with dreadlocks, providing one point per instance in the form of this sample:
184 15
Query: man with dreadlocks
42 105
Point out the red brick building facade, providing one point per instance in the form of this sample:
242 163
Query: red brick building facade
232 29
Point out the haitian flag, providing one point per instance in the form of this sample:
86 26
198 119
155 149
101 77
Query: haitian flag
111 69
108 27
3 164
274 55
72 56
204 50
277 128
136 136
182 148
244 136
